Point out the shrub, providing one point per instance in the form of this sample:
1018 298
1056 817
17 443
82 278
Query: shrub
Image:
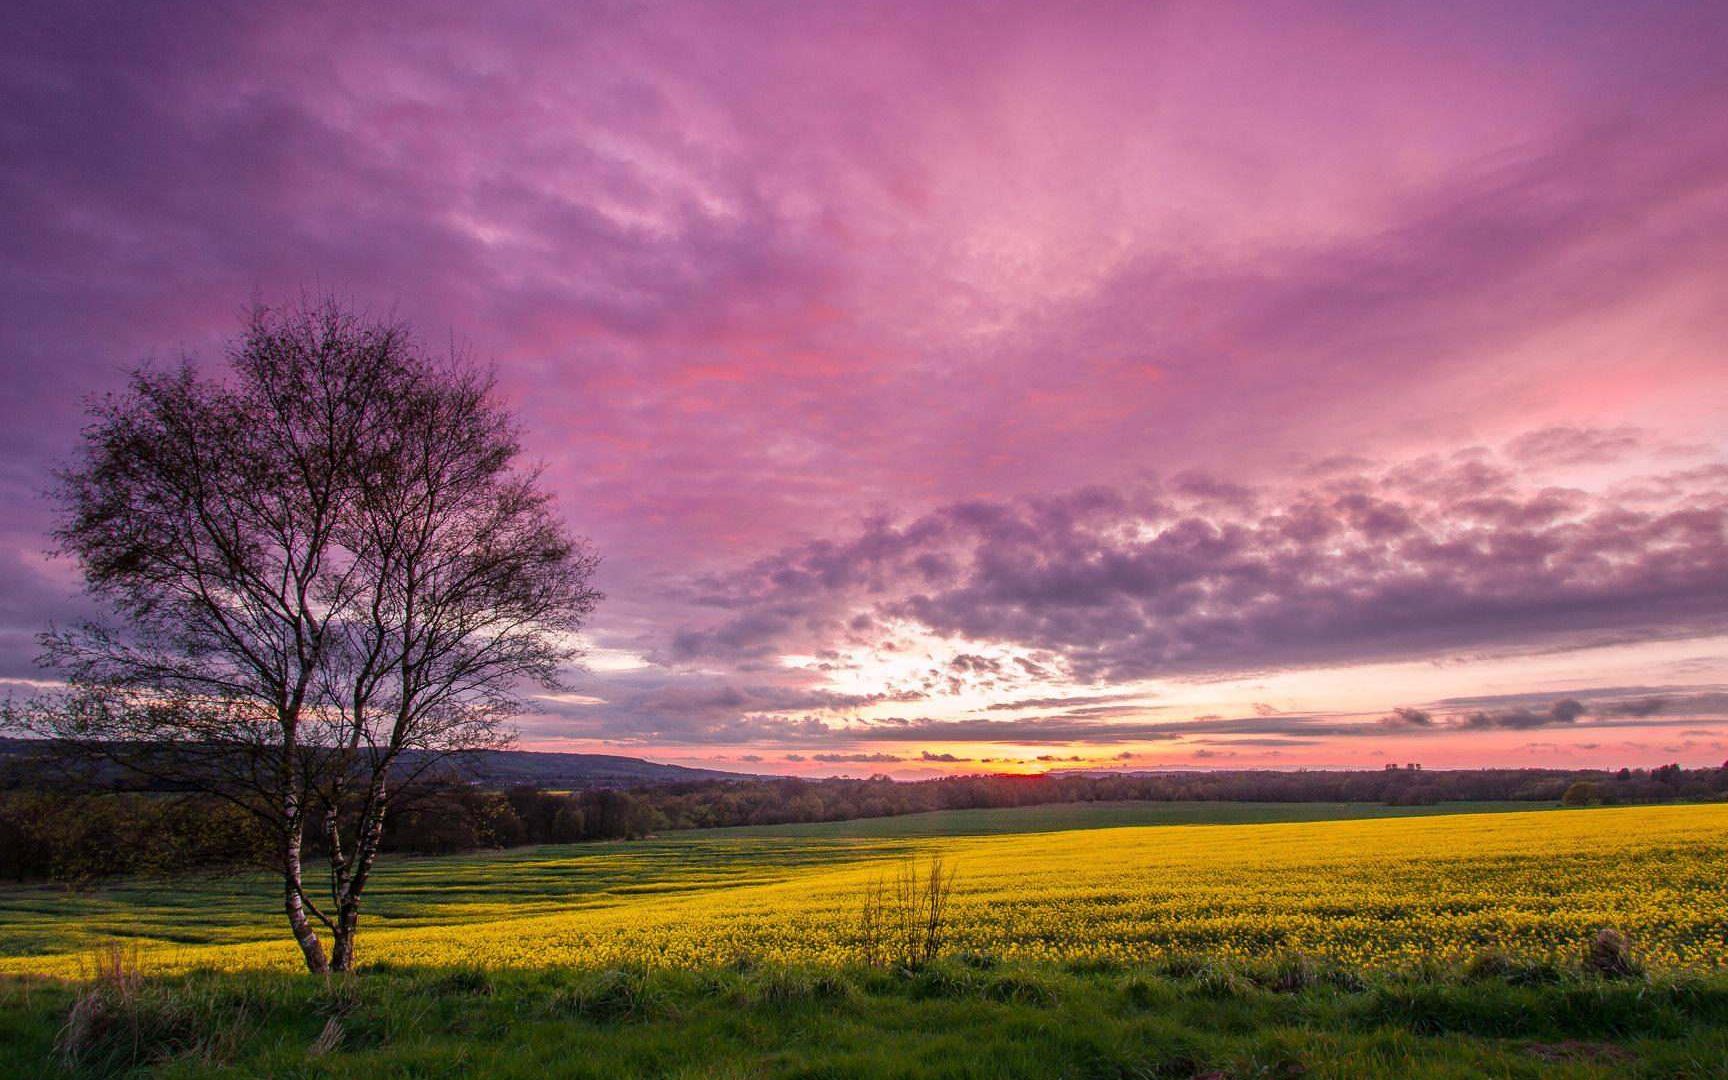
1609 955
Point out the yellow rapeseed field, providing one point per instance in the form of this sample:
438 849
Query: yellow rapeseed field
1370 893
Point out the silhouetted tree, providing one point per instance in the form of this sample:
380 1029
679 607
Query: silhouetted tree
321 563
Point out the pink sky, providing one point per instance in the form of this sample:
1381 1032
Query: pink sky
951 387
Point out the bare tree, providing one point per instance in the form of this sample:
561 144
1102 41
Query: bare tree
330 574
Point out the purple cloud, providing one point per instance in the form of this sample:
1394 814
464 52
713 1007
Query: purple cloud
1406 562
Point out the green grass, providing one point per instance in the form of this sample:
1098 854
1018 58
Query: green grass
965 1017
438 891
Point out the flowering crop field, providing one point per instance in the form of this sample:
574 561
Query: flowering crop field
1375 894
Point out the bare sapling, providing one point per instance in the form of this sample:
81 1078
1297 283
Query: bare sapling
902 923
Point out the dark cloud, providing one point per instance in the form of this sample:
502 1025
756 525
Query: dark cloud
1564 711
862 759
1610 704
978 665
1649 706
1411 561
1408 717
945 758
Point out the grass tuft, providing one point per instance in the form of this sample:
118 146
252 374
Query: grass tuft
1020 990
614 996
121 1021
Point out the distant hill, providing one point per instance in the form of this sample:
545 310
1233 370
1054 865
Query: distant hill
493 768
546 769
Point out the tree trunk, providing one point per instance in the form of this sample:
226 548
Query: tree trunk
310 946
342 945
342 957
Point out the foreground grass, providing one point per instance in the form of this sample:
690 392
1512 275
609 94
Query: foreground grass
964 1017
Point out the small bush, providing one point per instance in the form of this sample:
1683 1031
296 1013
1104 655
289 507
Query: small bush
1609 955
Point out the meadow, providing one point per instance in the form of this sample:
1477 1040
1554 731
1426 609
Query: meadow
1412 943
1368 892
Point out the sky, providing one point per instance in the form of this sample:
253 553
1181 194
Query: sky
972 387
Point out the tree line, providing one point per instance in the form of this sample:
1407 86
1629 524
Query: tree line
72 837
